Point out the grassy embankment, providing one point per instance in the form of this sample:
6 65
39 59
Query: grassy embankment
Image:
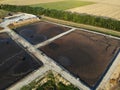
88 27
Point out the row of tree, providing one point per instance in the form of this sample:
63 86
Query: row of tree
69 16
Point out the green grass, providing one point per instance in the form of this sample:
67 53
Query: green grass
3 13
63 5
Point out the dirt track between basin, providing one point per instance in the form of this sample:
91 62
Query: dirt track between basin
83 54
39 32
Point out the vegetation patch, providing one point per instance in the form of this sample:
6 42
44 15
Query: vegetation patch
3 13
52 81
63 5
68 16
88 27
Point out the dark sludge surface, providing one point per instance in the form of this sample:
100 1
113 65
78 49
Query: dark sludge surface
85 55
15 63
39 32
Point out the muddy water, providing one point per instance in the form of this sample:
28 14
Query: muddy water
15 63
39 32
85 55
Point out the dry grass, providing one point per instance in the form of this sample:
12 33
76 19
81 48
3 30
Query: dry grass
112 2
105 8
88 27
113 83
26 2
22 23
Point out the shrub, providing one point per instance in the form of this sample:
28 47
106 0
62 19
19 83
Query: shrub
64 15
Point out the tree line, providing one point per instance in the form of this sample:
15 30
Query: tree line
65 15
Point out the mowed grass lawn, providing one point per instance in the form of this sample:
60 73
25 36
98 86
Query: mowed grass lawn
63 5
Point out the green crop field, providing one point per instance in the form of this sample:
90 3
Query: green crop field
63 5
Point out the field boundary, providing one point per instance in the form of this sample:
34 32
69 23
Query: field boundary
88 27
67 16
23 23
63 4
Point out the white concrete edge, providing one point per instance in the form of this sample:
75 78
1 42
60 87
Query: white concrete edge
54 38
66 74
26 45
50 63
58 24
91 32
109 72
29 78
48 41
95 32
99 33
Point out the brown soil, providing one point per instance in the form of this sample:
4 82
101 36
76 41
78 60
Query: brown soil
15 63
86 55
39 32
1 28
